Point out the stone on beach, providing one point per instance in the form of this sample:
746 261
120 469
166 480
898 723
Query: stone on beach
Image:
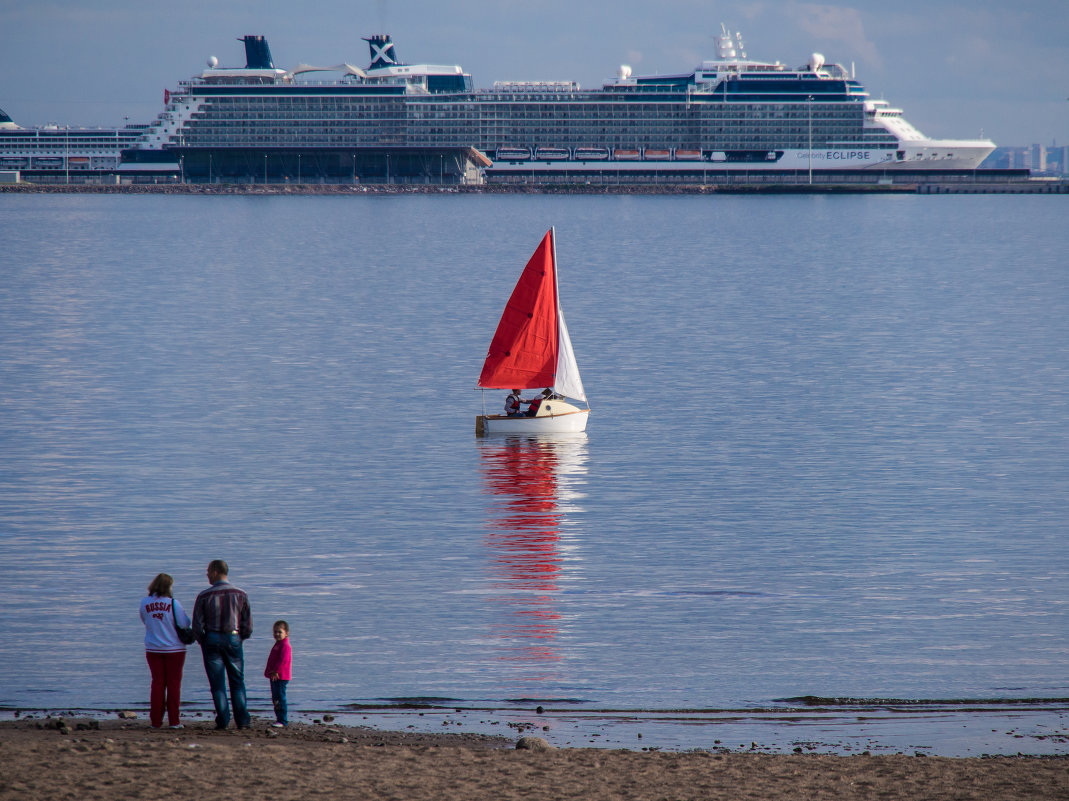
533 744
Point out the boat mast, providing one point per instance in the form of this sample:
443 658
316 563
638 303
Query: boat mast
556 285
556 299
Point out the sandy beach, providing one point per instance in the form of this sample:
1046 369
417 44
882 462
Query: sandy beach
71 758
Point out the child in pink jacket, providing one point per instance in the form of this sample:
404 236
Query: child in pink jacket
278 671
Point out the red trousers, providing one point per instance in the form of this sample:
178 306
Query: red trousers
166 688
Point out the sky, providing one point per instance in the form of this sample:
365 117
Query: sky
958 68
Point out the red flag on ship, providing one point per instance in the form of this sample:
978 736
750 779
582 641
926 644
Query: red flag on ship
166 96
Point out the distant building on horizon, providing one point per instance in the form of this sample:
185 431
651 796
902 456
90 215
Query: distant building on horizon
1039 159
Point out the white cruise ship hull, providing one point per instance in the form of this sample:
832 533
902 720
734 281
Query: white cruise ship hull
915 156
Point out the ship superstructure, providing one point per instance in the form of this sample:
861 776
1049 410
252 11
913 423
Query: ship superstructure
392 122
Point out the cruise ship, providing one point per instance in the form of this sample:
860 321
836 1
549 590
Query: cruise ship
55 154
395 122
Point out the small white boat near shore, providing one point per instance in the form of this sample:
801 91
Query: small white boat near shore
531 350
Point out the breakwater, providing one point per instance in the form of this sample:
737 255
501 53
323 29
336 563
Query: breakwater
1028 186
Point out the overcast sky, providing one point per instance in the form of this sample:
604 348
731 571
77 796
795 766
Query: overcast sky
957 67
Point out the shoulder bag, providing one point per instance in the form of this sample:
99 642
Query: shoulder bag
184 634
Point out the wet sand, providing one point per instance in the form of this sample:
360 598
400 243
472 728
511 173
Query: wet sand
94 759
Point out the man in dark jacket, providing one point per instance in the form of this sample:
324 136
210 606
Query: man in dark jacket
222 621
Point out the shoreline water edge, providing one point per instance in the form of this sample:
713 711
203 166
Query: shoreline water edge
1028 728
88 758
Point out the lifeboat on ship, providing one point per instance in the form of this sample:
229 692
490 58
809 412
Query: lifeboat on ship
552 154
513 154
591 153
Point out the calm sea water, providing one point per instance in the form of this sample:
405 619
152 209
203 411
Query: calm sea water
828 453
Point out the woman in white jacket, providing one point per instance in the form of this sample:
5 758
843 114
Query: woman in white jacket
166 654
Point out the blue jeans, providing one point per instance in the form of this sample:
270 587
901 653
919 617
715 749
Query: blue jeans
278 698
224 660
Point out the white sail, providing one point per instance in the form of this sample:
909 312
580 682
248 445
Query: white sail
567 382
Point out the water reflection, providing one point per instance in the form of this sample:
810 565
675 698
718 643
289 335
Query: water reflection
535 484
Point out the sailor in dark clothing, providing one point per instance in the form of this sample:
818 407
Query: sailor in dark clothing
513 403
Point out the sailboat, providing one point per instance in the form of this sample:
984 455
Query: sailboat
531 350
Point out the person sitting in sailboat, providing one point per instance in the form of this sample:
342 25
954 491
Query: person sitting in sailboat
513 403
547 394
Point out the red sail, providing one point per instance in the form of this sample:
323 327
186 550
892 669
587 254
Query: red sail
523 352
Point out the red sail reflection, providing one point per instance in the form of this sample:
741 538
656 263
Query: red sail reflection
530 478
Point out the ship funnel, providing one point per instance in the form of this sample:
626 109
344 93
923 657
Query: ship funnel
257 53
6 121
382 52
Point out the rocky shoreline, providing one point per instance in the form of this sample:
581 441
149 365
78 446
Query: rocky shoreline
434 189
1055 187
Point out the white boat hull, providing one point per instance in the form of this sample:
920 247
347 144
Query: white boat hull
554 417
